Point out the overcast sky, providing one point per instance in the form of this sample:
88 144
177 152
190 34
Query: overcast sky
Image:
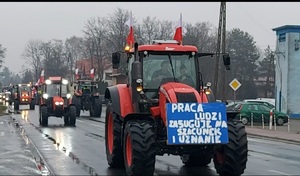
24 21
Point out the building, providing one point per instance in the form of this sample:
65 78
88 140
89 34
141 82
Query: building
85 65
287 69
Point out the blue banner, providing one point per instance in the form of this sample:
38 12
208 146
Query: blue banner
196 123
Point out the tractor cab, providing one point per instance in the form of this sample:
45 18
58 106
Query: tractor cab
150 66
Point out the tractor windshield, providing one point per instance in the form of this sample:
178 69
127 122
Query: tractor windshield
54 90
157 69
24 89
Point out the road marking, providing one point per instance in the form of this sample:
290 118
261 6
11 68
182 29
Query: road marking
278 172
88 123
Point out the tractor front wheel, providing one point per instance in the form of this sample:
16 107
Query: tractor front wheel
97 107
114 153
72 115
44 115
231 159
139 148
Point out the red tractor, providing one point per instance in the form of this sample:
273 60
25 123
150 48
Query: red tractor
56 100
22 95
138 125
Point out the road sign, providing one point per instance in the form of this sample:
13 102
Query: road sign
235 84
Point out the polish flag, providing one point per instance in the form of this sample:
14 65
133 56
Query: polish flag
92 73
179 30
42 78
76 73
130 37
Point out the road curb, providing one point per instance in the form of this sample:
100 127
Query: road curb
273 138
38 157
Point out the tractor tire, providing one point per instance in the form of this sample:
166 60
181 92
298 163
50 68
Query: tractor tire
67 120
201 158
72 115
139 148
32 105
16 105
113 141
44 115
97 107
231 159
77 103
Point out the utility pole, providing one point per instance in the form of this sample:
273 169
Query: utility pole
220 42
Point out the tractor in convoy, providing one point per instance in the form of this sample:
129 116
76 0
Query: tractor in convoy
166 108
56 101
87 98
21 94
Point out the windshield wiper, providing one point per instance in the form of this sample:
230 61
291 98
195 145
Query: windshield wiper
172 67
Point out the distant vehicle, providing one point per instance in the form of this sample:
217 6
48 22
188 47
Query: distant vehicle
257 109
266 102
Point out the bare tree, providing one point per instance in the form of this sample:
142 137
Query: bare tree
2 54
150 29
74 50
166 31
118 30
95 33
33 56
54 60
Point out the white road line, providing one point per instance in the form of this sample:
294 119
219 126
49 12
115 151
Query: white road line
87 123
278 172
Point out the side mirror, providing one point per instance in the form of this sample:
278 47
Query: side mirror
116 60
226 61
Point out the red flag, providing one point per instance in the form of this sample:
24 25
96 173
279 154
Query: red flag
178 32
42 78
92 73
130 37
76 73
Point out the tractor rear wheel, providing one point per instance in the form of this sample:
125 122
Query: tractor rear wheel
16 105
97 107
139 148
231 159
67 120
44 115
114 153
77 103
201 158
72 115
32 105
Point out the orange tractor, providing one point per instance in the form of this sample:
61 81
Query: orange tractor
22 95
170 110
56 100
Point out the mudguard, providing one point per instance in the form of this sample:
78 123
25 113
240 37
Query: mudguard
120 97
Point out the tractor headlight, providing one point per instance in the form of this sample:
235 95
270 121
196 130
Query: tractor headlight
45 96
68 96
59 103
48 81
207 91
64 81
139 88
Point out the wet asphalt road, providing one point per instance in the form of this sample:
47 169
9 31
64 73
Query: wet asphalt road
83 150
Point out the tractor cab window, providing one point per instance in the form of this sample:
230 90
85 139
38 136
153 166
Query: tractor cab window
54 90
24 89
157 69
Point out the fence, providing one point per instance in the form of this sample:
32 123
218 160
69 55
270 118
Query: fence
264 122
